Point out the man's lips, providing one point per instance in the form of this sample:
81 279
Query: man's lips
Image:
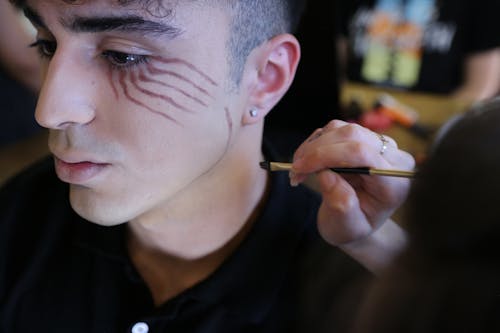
77 172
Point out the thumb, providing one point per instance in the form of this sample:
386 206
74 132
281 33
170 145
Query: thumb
340 219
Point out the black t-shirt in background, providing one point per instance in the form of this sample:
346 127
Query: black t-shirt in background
457 29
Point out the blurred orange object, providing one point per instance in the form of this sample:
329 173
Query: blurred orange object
375 120
396 111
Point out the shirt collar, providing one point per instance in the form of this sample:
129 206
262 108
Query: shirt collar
249 281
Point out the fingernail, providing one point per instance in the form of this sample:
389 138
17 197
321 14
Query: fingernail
293 179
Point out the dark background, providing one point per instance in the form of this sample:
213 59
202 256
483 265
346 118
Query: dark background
313 99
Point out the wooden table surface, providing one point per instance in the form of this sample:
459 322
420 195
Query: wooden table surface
432 110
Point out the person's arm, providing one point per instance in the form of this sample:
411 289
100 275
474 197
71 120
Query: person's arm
379 249
481 76
356 209
18 60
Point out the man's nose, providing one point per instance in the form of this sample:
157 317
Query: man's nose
67 96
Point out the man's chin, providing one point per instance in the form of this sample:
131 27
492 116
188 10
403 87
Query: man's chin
97 211
100 219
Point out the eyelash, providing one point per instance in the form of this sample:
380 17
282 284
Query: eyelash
131 60
117 60
42 45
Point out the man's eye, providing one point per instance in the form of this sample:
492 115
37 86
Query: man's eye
46 48
120 59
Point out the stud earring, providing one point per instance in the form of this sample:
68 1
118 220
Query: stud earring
254 113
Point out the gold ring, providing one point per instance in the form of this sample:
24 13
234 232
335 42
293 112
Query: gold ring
384 144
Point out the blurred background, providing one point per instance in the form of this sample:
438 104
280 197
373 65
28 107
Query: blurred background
21 139
398 67
402 68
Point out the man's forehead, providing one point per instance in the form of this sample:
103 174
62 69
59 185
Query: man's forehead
148 16
123 3
151 9
158 8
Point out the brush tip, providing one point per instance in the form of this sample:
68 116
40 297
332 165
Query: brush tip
265 165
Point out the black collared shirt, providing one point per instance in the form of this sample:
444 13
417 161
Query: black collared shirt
60 273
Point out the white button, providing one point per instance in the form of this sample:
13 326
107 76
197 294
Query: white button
140 328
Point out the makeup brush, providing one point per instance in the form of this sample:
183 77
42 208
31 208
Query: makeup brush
278 166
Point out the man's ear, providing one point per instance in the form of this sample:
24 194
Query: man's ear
276 63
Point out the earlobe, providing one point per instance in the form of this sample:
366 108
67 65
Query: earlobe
276 64
253 115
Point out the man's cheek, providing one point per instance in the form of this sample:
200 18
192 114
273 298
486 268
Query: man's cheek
164 86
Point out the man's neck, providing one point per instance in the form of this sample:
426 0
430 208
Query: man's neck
197 233
168 275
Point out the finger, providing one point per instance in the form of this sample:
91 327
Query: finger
341 144
400 159
347 154
334 124
339 219
387 147
350 131
379 190
338 132
343 154
315 135
381 195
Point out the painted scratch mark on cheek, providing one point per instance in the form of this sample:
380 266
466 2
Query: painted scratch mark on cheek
146 79
157 71
112 83
229 121
133 79
188 65
123 84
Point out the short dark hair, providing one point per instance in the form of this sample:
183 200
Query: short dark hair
253 22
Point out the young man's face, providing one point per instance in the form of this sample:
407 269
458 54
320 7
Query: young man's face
136 101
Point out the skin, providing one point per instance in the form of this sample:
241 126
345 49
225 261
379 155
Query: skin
163 134
140 79
93 120
93 130
481 76
167 143
356 209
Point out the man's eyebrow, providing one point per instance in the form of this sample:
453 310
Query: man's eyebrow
128 23
34 18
